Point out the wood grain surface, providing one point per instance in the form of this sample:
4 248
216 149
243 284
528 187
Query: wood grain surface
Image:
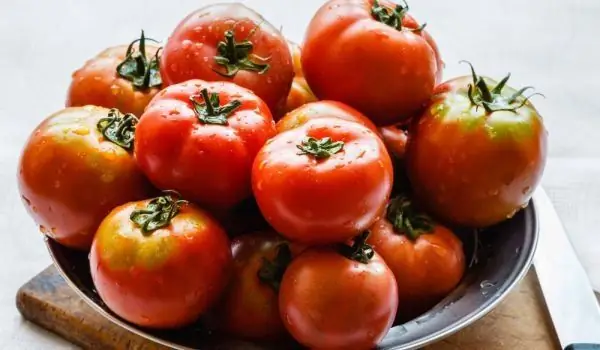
519 322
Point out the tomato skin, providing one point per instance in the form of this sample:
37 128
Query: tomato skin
318 201
97 83
191 49
385 73
395 138
330 302
165 279
300 92
70 177
322 109
249 307
207 163
491 162
426 269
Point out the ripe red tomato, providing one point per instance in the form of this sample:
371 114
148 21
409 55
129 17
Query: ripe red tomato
71 175
332 301
395 138
427 258
322 109
160 263
478 152
300 92
230 42
204 151
371 55
122 77
322 182
249 307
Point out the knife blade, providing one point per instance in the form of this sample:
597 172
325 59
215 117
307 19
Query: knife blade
567 290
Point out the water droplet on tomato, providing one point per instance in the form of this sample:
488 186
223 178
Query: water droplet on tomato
493 192
115 89
269 80
44 230
57 184
173 67
34 209
186 44
205 59
526 190
97 78
198 29
26 200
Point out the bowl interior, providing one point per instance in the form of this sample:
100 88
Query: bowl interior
498 258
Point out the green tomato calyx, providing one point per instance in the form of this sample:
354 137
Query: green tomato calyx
271 271
360 250
392 16
118 128
493 100
158 213
235 56
406 219
211 111
321 148
143 73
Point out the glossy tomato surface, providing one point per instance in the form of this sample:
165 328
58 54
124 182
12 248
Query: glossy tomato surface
426 258
325 181
474 167
165 278
322 109
249 307
328 301
395 138
99 83
230 42
300 92
351 55
70 176
206 155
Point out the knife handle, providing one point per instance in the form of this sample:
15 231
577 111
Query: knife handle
582 346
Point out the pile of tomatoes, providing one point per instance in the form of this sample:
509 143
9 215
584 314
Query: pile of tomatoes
354 154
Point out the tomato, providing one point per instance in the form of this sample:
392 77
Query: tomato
71 175
204 151
160 263
249 307
371 55
322 182
395 138
122 77
230 42
332 301
426 258
300 92
322 109
476 155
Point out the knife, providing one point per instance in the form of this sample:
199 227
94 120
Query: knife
567 290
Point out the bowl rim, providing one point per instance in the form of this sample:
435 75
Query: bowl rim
517 276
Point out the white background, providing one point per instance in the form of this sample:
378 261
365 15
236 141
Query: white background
551 44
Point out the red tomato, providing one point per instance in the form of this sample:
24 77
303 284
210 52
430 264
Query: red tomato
395 138
230 42
476 155
300 92
249 307
371 55
427 258
71 175
160 263
322 182
122 77
204 151
322 109
332 301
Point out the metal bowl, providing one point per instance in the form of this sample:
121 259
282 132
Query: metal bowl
501 256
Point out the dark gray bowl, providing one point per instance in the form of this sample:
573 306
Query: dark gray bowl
504 254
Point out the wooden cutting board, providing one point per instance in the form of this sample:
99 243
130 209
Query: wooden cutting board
519 322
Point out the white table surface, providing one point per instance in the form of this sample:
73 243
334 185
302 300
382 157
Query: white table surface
552 44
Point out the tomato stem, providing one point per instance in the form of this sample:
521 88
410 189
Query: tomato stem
271 271
211 111
235 56
493 100
320 148
118 128
136 68
406 220
392 17
360 250
158 213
